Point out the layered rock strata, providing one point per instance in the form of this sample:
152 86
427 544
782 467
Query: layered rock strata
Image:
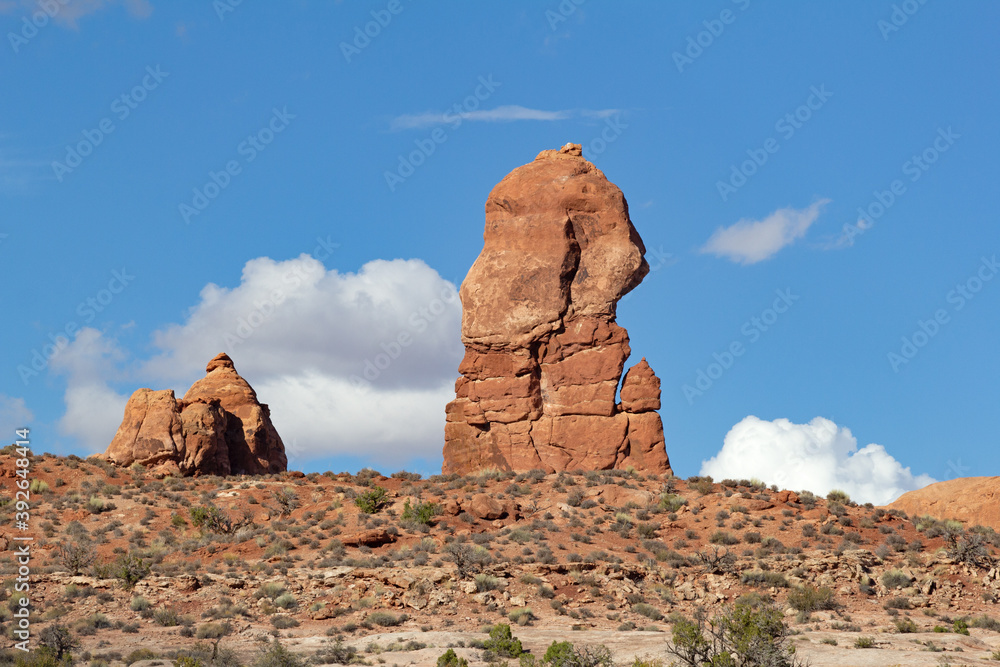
543 353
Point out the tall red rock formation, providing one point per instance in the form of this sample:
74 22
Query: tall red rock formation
543 354
218 428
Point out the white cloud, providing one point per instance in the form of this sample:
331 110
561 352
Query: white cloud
819 457
93 409
14 414
752 241
507 113
349 363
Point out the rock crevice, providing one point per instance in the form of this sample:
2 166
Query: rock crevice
544 355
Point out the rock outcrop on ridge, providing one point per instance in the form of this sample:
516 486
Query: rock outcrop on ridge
543 354
974 500
218 428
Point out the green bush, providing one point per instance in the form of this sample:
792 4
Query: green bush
276 655
213 630
373 501
723 537
522 616
502 643
764 579
671 502
809 598
129 569
140 654
838 496
895 579
864 642
752 631
386 619
647 610
905 625
450 659
486 582
420 513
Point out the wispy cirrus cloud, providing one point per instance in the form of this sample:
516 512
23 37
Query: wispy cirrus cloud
751 241
502 114
67 13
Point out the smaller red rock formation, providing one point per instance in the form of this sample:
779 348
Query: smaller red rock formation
218 428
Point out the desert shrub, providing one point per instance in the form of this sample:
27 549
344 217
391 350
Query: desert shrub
77 556
522 616
467 558
764 579
422 513
450 659
723 537
898 602
864 642
671 502
129 569
140 654
58 639
564 654
283 622
373 500
213 630
895 579
285 601
38 486
751 537
838 496
960 626
751 632
985 622
486 582
286 500
214 520
809 598
386 619
276 655
139 603
166 616
502 643
647 610
905 625
338 654
703 485
971 550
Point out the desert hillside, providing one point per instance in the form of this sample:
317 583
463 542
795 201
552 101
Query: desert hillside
398 569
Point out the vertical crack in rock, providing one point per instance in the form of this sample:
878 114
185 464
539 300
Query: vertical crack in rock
543 353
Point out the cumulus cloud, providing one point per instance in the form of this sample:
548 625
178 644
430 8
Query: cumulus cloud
751 241
819 456
349 363
14 414
507 113
93 409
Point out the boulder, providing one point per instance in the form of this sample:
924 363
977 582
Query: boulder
543 353
218 428
484 506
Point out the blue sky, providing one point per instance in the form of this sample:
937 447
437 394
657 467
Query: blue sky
272 165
